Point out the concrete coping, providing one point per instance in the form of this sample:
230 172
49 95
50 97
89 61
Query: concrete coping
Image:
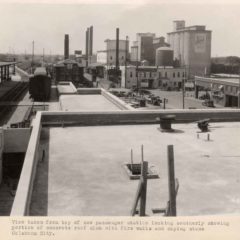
24 191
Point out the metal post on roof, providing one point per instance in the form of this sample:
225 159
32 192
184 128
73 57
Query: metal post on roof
143 194
171 182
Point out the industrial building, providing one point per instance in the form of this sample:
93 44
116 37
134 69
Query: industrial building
108 56
68 71
144 48
192 47
223 89
167 78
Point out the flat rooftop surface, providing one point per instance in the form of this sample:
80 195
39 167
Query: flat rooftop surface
86 102
82 172
65 89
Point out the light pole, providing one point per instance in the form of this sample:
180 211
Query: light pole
183 88
126 54
137 70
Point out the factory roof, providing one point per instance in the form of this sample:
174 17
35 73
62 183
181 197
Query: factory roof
165 49
195 28
6 63
64 62
220 80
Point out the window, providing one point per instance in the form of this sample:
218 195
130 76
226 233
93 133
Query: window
165 74
150 74
110 57
160 74
178 74
174 74
131 74
144 74
183 74
136 73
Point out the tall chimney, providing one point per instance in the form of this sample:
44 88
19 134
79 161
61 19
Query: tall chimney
91 41
87 39
66 46
117 48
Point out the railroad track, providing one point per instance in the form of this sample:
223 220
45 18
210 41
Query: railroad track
13 95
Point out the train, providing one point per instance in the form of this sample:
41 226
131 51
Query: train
40 85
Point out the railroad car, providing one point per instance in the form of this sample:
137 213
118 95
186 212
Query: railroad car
40 85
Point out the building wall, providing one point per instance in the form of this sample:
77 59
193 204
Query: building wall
111 52
102 57
134 54
16 139
193 49
65 73
111 45
155 77
111 57
145 47
1 152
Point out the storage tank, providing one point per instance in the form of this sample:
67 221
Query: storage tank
164 56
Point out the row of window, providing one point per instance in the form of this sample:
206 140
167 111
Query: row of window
159 74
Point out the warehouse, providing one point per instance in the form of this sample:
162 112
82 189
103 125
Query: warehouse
223 90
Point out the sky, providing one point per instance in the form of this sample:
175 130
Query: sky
46 23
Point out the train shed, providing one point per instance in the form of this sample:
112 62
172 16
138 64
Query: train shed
5 70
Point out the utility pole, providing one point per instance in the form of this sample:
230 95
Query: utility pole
32 55
137 71
117 57
126 59
183 88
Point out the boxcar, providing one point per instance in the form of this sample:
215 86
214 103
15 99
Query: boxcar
40 85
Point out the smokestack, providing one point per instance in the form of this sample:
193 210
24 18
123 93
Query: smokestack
66 46
86 51
91 41
117 48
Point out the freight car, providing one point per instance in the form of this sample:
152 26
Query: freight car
40 85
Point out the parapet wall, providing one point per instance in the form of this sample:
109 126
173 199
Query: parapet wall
16 139
116 101
136 117
84 91
24 191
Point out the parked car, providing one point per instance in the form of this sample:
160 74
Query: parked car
208 103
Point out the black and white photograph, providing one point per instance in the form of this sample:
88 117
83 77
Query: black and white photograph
119 109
